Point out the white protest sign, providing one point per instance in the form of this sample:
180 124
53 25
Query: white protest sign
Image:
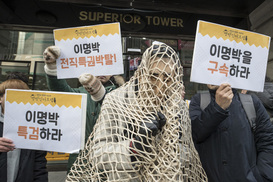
50 121
89 49
227 55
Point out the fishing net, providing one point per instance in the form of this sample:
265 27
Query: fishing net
111 154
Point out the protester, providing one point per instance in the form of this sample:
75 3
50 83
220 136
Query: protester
143 132
266 97
229 150
19 164
18 75
94 87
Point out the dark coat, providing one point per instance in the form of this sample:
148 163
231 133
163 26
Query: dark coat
226 144
267 98
32 165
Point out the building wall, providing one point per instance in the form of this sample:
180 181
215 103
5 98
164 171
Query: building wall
262 22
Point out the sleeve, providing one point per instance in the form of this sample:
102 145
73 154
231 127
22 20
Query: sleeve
40 170
61 85
106 155
111 152
266 98
204 123
264 141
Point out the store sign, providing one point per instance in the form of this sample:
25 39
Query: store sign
90 49
130 18
227 55
145 21
50 121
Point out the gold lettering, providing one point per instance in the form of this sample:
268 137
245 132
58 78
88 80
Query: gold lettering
180 22
137 19
115 17
90 16
107 17
165 21
120 18
83 15
99 15
149 19
156 20
173 22
128 15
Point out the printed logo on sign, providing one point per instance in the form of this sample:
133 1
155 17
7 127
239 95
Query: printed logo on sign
86 32
43 98
234 34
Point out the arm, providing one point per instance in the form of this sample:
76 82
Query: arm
40 170
61 85
266 96
108 147
204 123
50 55
264 141
106 155
6 144
90 83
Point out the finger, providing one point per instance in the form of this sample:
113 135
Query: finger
6 149
224 86
6 140
231 95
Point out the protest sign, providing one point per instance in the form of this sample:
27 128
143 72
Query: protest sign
41 120
89 49
228 55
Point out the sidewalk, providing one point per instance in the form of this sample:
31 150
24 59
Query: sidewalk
56 176
56 171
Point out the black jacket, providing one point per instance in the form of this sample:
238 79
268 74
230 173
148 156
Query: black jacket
266 97
32 165
228 150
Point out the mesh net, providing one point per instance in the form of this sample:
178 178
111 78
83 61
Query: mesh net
111 154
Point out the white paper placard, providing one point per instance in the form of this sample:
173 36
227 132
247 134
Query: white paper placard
89 49
49 121
227 55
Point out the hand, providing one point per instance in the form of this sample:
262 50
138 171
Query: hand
224 96
6 145
90 83
148 129
50 55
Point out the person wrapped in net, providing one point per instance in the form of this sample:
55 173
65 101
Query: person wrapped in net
143 132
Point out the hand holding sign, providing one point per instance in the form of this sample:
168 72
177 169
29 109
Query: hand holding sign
224 96
6 145
93 86
50 55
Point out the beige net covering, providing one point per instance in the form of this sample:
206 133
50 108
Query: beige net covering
118 151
